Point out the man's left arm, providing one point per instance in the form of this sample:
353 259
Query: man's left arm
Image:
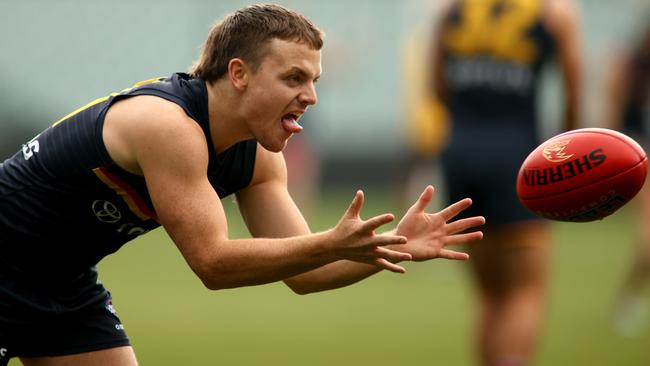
269 211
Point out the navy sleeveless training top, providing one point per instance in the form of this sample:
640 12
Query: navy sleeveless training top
64 204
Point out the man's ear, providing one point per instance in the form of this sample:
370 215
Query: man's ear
238 73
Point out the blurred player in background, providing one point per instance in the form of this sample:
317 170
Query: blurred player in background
628 98
162 154
426 118
487 58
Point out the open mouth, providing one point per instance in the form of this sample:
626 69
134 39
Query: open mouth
290 123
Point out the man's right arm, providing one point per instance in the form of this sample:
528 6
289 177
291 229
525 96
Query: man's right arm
154 138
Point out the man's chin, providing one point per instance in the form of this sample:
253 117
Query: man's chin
276 147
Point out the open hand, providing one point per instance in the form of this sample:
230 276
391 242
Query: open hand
429 234
355 239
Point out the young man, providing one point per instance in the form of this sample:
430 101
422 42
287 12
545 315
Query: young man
164 153
488 58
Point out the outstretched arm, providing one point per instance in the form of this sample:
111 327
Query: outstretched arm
286 221
428 235
154 138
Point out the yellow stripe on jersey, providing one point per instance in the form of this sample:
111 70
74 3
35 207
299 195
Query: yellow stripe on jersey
102 99
96 101
148 81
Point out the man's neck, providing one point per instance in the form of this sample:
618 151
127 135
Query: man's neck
227 124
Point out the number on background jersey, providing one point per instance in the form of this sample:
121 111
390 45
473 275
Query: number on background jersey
495 27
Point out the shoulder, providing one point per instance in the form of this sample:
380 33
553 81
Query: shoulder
143 127
147 108
445 10
561 16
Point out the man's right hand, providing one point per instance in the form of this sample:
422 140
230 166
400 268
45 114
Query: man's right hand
355 239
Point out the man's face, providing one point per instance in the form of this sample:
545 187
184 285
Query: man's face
280 91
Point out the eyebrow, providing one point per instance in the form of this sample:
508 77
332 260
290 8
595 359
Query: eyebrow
302 72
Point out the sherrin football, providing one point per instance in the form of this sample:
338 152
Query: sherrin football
582 175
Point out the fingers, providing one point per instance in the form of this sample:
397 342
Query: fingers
392 256
384 264
463 238
385 259
383 240
377 221
423 201
450 254
452 210
355 207
464 224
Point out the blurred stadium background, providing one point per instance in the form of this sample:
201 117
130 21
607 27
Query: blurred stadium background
57 56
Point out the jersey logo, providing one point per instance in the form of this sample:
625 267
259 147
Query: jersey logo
555 152
106 212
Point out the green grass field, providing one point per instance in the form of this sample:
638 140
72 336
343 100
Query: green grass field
421 318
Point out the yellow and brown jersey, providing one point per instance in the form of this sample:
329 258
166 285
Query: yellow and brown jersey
493 54
64 204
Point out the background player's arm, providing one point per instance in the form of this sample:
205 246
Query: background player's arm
627 85
616 77
269 211
437 55
563 23
169 149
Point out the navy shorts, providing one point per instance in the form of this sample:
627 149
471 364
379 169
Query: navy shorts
40 319
484 168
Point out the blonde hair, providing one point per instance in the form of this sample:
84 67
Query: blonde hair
246 34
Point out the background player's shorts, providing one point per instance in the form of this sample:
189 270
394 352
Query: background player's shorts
38 319
484 167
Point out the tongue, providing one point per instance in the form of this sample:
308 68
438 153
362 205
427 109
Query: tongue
291 125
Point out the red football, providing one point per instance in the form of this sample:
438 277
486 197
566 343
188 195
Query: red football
582 175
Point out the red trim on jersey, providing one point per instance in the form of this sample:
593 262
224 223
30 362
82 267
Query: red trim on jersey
135 202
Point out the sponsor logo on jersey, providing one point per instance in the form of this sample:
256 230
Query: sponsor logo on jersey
106 211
